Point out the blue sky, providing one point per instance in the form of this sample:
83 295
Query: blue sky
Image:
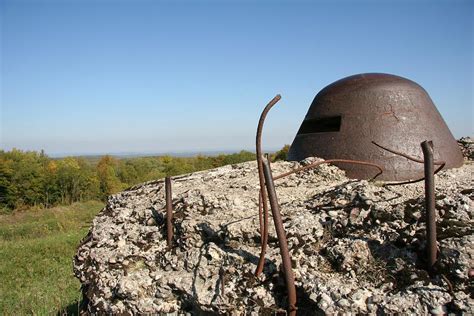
160 76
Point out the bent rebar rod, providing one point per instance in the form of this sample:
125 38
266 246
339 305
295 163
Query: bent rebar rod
282 241
441 165
263 206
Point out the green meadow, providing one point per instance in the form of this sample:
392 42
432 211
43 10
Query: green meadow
36 251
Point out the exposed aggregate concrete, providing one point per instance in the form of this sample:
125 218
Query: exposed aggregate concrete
356 246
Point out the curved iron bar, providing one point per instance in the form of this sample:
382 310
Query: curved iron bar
317 163
263 211
449 284
441 165
416 180
282 241
405 155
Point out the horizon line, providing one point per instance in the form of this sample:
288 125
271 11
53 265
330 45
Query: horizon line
131 154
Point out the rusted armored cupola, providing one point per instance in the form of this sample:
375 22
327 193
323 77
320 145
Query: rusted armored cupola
350 116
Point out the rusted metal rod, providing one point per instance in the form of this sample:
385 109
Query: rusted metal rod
282 241
414 181
169 213
441 164
432 249
263 206
317 163
405 155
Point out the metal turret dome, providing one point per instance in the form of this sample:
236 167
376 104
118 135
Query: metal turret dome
349 115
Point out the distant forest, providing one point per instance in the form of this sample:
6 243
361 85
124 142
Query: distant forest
30 178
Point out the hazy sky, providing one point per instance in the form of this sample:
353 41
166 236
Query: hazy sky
160 76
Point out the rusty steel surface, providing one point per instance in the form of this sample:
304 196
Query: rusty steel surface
432 248
169 213
282 241
348 115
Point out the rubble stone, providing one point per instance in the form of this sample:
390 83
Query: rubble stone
356 246
467 147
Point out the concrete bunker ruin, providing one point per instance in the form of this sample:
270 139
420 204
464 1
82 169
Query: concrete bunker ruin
355 117
330 235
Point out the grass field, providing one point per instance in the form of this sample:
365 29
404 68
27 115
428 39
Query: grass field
36 250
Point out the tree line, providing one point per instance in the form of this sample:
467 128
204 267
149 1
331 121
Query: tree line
31 178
